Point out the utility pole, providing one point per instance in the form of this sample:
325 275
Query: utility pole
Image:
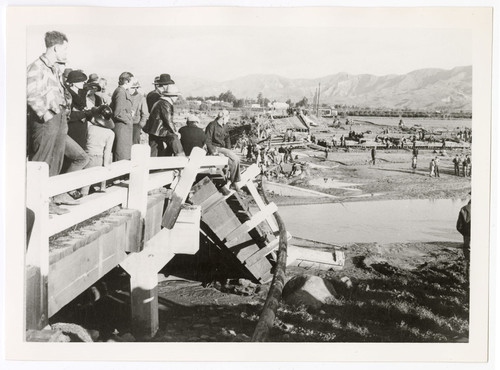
317 107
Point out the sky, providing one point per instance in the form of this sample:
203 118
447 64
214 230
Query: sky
221 53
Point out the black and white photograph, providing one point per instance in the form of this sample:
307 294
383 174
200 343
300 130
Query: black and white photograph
238 175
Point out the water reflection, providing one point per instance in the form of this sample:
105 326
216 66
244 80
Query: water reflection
386 221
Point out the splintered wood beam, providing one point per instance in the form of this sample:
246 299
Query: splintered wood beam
183 187
253 222
75 180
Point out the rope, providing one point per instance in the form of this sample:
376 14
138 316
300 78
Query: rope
268 314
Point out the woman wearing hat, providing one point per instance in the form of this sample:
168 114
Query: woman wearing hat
163 138
77 122
100 140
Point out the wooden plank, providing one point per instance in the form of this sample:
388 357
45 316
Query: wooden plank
160 179
139 177
253 222
250 173
334 259
260 203
263 252
75 180
173 163
152 222
183 187
70 276
260 269
89 206
202 190
221 220
37 255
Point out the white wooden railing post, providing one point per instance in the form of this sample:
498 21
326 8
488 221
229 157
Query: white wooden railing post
37 255
139 174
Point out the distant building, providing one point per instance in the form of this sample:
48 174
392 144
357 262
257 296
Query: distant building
279 106
255 106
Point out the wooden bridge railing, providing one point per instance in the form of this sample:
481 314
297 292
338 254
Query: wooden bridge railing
132 194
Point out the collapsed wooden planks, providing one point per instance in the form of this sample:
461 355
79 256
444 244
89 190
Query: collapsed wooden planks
245 239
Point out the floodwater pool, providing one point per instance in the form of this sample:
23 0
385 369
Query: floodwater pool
384 221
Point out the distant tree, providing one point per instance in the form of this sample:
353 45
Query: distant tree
289 102
260 99
302 103
265 102
239 103
227 97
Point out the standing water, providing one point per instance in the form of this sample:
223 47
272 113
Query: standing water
387 221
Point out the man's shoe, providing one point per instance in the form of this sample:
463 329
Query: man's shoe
75 194
64 198
56 210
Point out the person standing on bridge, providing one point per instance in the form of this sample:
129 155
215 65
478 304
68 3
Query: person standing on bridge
121 104
218 142
163 136
100 140
140 112
49 105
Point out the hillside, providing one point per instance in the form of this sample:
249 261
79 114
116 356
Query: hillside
421 89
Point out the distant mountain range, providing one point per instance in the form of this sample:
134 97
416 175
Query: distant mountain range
429 88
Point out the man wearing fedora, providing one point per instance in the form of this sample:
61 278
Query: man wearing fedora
191 135
160 84
140 112
218 142
100 140
121 104
163 138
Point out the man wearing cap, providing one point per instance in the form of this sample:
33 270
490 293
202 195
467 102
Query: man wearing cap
100 140
218 142
121 104
103 83
140 112
163 138
191 135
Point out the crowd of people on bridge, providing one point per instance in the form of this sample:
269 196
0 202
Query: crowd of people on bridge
73 123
